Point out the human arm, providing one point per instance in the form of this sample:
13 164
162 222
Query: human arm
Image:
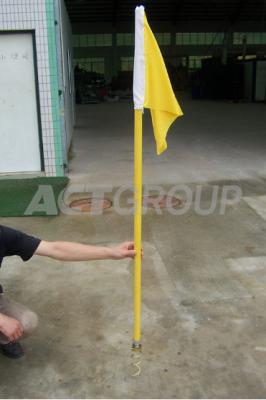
73 251
10 327
25 246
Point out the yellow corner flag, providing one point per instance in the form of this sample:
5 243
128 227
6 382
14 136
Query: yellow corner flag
152 88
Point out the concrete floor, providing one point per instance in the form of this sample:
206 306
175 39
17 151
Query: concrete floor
204 277
212 141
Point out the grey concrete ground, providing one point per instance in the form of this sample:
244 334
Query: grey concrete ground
212 141
204 277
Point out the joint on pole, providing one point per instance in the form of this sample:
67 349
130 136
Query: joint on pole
136 346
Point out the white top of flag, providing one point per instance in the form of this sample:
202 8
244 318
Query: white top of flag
139 60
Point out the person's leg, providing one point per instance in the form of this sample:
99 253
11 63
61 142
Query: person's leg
26 317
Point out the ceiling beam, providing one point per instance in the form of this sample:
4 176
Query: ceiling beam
115 6
237 12
178 9
114 11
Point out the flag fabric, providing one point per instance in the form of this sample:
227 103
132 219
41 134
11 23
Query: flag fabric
151 85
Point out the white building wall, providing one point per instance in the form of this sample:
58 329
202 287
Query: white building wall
20 15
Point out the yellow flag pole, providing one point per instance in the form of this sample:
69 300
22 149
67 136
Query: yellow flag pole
137 225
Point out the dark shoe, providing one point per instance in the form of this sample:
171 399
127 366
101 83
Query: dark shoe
12 350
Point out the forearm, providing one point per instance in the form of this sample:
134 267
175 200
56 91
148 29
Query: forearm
72 251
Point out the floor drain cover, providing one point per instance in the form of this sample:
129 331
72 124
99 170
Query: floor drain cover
157 201
90 204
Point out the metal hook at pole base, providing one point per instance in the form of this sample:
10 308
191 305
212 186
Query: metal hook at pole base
136 357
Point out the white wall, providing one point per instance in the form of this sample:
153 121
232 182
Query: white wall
19 129
24 15
260 86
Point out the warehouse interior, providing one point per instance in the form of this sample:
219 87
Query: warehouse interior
215 56
208 46
204 274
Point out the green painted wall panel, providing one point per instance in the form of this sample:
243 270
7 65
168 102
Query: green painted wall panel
54 86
